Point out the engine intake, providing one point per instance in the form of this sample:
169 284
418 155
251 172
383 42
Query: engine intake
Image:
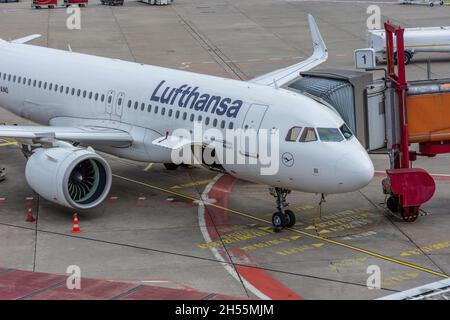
72 177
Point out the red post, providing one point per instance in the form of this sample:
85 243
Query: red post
401 86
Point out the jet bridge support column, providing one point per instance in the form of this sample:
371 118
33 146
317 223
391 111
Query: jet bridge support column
407 188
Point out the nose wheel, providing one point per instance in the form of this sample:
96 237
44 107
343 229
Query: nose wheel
283 218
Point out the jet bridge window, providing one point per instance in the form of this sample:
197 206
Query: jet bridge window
293 133
308 135
329 134
346 132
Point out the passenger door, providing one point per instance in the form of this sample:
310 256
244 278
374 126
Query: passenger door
252 122
118 107
109 103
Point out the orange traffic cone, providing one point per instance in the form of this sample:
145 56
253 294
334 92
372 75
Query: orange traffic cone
76 226
30 217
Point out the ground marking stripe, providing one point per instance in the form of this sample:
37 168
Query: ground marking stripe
341 244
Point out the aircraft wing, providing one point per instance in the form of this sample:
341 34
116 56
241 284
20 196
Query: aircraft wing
88 134
26 39
174 142
282 76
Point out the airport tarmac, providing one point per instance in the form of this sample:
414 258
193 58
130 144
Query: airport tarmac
154 230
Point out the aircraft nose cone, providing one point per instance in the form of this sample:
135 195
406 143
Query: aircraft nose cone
354 171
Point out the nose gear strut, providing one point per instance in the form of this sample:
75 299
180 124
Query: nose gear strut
283 218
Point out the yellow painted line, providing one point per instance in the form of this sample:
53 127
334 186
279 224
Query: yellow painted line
192 184
8 144
310 235
149 166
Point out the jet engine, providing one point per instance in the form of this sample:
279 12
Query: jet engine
73 177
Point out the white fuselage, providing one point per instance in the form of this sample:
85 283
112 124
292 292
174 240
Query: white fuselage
62 88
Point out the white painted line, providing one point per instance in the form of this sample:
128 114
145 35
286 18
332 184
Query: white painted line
215 251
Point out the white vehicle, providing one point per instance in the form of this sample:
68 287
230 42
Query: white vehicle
426 39
430 3
130 110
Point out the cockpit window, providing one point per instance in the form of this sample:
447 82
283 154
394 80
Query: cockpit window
293 133
329 134
346 132
308 135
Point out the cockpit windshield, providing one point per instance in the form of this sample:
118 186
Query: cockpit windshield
329 134
346 132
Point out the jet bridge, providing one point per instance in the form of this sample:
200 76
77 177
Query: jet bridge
387 116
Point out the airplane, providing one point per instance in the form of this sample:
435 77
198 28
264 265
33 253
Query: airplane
87 103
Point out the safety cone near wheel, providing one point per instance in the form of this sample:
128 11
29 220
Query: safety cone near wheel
30 217
76 226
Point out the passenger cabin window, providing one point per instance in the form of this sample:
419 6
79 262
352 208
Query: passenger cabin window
293 133
346 132
308 135
329 134
149 108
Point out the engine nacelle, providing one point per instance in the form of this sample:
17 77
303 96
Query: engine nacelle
72 177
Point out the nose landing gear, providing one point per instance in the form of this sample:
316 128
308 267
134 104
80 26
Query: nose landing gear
283 218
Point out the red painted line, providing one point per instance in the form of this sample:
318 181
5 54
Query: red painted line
258 278
18 284
90 290
159 293
442 177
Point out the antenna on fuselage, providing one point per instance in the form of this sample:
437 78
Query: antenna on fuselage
275 84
